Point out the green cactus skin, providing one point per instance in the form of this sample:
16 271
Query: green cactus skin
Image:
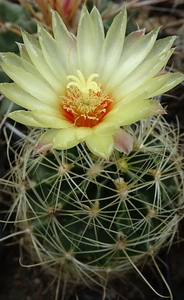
86 219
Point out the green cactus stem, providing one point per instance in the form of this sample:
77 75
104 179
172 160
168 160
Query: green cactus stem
86 219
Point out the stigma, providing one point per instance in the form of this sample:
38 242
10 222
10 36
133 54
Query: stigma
84 85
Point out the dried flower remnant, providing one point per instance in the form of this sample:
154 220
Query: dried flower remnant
69 10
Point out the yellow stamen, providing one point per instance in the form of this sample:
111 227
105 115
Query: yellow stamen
85 104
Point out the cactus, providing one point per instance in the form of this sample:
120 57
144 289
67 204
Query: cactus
88 220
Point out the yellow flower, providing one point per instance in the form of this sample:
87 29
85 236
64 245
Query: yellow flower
84 88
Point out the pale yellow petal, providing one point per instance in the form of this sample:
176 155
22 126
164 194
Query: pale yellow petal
112 47
173 79
82 133
89 42
24 117
61 33
142 74
48 120
35 52
131 40
55 57
132 55
149 88
101 145
45 141
161 46
11 59
97 26
39 118
136 110
23 53
33 85
106 128
85 44
65 139
156 86
16 94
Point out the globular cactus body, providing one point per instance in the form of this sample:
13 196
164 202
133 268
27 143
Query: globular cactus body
88 219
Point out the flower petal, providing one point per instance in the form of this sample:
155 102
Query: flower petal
39 119
132 55
24 117
97 26
82 133
45 142
173 79
89 42
16 94
85 44
65 139
61 33
23 53
33 85
54 55
142 74
132 39
11 59
158 85
106 128
112 47
48 120
66 42
101 145
136 110
35 52
161 46
123 141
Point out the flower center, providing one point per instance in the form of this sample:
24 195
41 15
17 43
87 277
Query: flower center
84 103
